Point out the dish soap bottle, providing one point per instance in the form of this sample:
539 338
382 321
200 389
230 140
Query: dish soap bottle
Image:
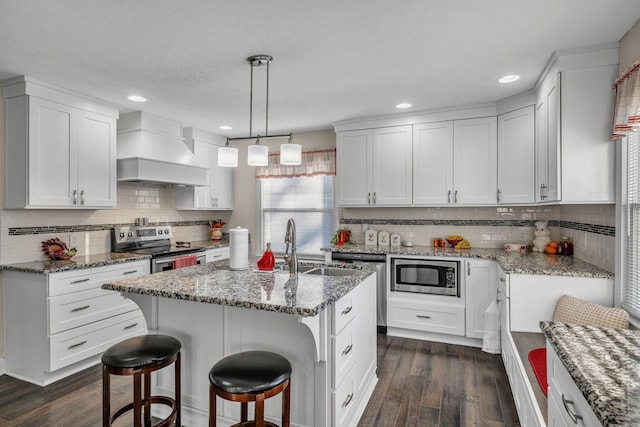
268 260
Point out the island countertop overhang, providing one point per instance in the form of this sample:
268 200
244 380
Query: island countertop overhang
214 283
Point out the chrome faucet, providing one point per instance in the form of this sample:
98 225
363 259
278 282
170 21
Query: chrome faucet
290 239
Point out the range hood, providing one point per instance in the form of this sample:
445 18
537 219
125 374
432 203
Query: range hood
151 149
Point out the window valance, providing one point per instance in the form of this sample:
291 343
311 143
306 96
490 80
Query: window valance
626 114
314 162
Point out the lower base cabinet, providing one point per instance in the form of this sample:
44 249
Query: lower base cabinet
58 324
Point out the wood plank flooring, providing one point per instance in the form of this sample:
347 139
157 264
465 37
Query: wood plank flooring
420 384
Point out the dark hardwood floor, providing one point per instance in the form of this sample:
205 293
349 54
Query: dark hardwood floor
420 384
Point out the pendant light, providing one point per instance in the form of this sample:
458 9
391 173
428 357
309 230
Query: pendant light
228 156
258 153
290 153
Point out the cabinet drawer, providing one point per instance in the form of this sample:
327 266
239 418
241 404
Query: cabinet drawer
81 343
343 350
442 319
565 394
81 308
79 280
344 399
344 312
217 254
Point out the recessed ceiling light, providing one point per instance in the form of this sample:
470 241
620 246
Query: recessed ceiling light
403 105
137 98
225 127
509 79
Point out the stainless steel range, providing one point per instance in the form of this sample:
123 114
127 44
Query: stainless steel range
155 241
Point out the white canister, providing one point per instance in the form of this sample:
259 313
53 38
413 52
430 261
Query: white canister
383 238
238 248
395 239
371 237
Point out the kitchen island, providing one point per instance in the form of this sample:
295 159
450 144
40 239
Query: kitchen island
323 323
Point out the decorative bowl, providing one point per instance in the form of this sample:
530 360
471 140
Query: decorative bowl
454 240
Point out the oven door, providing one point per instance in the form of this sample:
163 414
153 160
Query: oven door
426 277
166 263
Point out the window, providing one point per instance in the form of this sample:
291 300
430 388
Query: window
629 220
309 201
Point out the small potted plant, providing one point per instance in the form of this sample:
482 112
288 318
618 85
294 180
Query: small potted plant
216 229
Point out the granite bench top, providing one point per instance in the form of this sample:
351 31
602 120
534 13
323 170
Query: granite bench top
510 262
605 365
215 283
76 263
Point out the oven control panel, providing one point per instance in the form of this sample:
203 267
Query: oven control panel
123 234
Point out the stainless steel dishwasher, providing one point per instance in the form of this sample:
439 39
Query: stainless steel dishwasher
380 262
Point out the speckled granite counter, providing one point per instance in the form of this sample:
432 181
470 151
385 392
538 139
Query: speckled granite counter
75 263
605 365
511 262
269 291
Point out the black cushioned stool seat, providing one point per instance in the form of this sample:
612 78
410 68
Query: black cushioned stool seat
140 356
250 376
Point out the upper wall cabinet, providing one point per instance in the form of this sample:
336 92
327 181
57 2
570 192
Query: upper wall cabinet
574 110
60 149
516 153
374 167
454 162
218 194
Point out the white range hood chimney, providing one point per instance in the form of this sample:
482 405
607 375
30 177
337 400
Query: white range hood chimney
151 149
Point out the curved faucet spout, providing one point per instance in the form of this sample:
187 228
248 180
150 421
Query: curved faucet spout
290 239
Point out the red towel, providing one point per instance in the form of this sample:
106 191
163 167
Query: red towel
185 261
538 360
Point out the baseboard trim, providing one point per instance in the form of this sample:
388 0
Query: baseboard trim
433 336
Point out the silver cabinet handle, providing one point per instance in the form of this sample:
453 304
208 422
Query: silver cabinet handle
80 281
421 316
369 197
72 346
130 326
75 197
347 310
347 350
449 196
499 195
374 197
543 187
130 272
82 197
347 401
574 417
455 197
84 307
502 279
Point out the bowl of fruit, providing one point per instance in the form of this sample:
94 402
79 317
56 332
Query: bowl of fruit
454 240
56 249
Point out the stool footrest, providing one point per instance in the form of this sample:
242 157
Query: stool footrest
252 423
162 400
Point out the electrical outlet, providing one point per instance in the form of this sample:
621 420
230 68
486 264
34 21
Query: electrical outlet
365 227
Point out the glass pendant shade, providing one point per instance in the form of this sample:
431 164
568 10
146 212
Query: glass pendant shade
228 157
290 154
257 155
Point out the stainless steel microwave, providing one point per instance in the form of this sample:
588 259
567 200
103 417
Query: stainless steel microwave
438 277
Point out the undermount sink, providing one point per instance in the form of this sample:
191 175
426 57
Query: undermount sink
329 271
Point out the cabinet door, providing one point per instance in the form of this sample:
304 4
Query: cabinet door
433 163
96 160
392 165
353 164
516 156
53 174
221 183
475 147
481 290
547 140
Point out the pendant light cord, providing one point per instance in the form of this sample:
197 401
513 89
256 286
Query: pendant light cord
251 103
266 123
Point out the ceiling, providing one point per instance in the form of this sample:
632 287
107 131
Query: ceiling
333 60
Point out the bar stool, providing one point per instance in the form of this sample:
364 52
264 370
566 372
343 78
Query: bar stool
140 356
250 376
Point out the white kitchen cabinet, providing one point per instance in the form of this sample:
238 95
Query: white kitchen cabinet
481 292
455 162
548 139
516 157
60 149
567 405
217 254
218 194
60 323
374 167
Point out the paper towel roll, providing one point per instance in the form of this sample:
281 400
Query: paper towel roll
239 249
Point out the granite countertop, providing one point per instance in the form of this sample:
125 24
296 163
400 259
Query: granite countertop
605 365
275 291
510 262
75 263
